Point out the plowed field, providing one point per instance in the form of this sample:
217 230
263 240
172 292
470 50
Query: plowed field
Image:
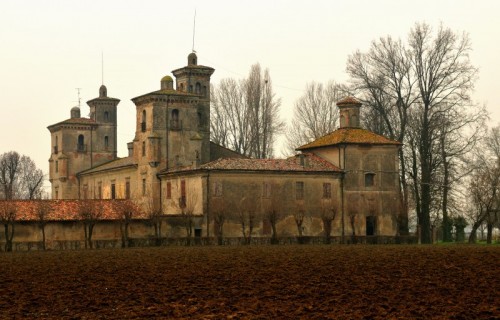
280 282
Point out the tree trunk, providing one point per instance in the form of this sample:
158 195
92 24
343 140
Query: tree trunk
489 232
43 237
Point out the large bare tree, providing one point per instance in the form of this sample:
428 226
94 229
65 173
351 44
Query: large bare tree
245 114
315 114
19 177
410 88
8 217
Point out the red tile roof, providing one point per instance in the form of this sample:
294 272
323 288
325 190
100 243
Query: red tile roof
64 210
312 163
349 136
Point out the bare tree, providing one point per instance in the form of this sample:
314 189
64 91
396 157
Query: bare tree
315 114
8 216
152 206
299 214
328 214
89 212
19 177
43 209
9 171
247 215
245 114
410 88
125 210
218 211
31 179
188 206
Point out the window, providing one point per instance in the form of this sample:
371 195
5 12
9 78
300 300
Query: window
85 191
143 148
299 190
266 190
80 147
169 190
113 191
143 187
56 147
327 190
217 191
190 90
174 120
99 190
369 179
106 116
56 193
143 123
198 88
57 166
106 142
181 87
127 189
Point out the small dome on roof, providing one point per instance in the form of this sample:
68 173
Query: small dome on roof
192 59
103 92
167 83
348 101
167 78
75 112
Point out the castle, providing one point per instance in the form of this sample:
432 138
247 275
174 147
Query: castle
173 167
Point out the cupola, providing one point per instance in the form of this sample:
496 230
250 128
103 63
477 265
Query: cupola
75 112
103 92
349 112
167 83
192 59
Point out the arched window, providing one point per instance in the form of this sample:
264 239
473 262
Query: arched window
56 146
143 123
198 88
106 116
106 142
190 88
81 143
174 120
181 87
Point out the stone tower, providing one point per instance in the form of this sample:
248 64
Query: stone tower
173 124
103 112
81 143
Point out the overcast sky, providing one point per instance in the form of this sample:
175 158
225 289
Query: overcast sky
49 48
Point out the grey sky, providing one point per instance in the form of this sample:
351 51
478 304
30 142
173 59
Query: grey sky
49 48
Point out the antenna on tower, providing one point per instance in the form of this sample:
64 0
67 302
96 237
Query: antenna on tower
102 67
194 28
79 99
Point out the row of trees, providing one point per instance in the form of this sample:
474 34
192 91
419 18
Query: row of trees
416 91
88 212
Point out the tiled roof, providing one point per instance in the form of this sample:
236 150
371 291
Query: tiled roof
168 92
113 164
75 121
349 136
65 210
312 163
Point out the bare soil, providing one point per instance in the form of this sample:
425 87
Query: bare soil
281 282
